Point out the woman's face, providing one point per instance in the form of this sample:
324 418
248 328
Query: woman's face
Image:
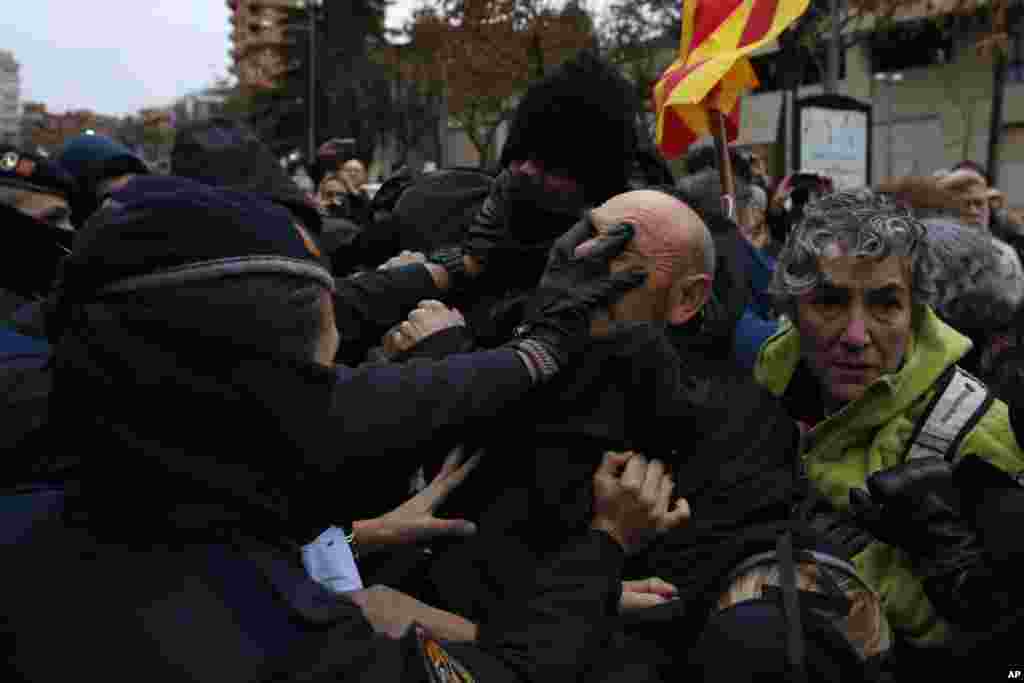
855 327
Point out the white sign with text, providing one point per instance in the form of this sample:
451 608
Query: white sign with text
834 142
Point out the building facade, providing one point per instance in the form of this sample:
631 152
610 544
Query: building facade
10 99
931 106
259 35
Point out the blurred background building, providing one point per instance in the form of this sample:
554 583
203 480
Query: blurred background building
10 98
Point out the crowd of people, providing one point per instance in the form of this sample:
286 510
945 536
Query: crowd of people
565 420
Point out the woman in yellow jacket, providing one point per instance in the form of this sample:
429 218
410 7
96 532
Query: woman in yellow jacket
858 364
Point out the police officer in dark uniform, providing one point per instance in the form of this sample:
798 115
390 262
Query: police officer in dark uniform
200 438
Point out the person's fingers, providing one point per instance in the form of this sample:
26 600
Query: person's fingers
452 527
403 343
408 329
459 474
612 464
650 585
451 462
661 587
652 480
664 496
432 304
566 245
609 245
586 249
421 315
637 601
451 475
679 514
614 287
634 475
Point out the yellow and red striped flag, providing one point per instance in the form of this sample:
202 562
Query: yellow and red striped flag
712 69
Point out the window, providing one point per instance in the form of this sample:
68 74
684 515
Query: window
770 70
928 45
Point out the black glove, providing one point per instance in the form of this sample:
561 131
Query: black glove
915 507
570 291
993 502
842 532
516 226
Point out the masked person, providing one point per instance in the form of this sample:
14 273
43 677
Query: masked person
552 171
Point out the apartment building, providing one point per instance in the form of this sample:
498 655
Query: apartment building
10 98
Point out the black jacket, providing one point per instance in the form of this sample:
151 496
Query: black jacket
80 604
731 448
368 304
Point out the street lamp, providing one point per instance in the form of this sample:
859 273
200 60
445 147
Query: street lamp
888 79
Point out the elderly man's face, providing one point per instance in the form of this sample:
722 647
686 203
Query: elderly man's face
668 244
856 326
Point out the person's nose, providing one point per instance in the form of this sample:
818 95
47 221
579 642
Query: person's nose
856 335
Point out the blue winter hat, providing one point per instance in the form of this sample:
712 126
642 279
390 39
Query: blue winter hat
160 231
89 156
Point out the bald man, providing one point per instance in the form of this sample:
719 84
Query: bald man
676 248
730 444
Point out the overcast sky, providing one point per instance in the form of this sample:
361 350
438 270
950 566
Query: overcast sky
117 56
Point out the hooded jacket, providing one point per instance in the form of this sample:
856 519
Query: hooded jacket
872 434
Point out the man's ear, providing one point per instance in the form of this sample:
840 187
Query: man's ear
687 298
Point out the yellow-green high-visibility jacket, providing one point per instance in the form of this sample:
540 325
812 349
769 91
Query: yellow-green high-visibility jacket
873 434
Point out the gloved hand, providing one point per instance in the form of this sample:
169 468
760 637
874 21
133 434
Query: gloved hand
842 532
511 234
915 507
574 286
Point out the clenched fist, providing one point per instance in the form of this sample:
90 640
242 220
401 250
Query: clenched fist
428 318
403 259
633 500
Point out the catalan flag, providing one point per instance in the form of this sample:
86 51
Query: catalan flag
712 69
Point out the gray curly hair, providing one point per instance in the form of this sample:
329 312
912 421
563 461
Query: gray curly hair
861 223
983 280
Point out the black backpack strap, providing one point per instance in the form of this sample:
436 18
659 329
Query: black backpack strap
791 608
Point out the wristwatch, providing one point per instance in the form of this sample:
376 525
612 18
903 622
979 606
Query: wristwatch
450 258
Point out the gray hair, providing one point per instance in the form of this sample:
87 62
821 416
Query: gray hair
982 282
702 191
758 199
860 223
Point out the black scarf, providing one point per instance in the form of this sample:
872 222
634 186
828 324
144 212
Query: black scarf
186 432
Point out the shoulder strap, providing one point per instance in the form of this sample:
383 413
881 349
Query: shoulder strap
955 409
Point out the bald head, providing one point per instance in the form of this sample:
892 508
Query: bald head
672 244
668 232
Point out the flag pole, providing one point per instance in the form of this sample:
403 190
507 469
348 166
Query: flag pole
724 163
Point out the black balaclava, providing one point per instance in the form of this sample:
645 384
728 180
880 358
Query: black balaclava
176 380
